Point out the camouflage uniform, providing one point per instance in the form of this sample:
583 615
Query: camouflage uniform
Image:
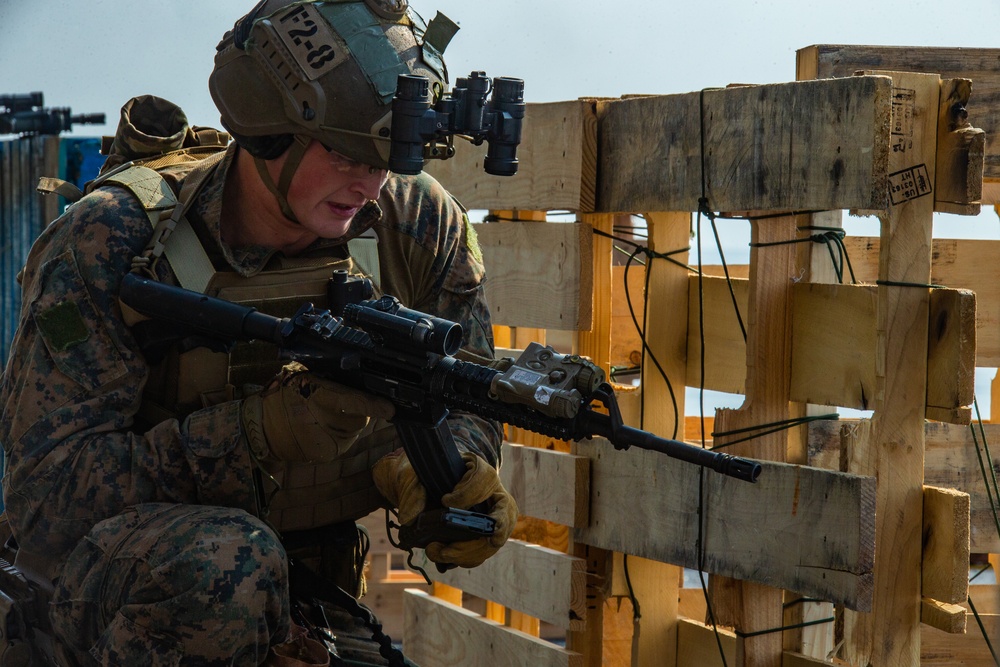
152 535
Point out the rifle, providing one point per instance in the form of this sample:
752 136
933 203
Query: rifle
407 357
24 114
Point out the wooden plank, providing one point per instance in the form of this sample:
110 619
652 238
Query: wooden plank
698 644
945 649
823 145
529 578
590 641
951 352
665 370
557 163
981 66
549 485
833 344
655 585
725 348
951 461
893 447
539 273
967 264
749 606
985 597
595 340
798 528
793 659
960 152
946 617
945 559
439 634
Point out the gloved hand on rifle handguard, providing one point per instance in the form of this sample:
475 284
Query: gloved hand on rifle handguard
397 481
301 417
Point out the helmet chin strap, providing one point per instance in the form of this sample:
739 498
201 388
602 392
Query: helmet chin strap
293 159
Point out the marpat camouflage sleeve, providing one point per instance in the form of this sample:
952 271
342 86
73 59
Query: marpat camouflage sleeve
442 274
74 382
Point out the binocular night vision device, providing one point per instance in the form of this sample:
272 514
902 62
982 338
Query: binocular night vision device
477 109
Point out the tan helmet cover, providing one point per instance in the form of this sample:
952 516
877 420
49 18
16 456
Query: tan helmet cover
325 70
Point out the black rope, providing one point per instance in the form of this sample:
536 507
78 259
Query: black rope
896 283
982 629
729 280
769 428
636 614
645 346
646 250
991 490
794 626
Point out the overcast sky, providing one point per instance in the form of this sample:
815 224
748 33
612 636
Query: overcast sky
93 55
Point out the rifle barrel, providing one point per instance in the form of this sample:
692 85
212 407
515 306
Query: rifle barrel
207 314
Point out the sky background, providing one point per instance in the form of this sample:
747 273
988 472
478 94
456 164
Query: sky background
93 55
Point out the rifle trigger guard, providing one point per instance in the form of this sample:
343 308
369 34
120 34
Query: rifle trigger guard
606 395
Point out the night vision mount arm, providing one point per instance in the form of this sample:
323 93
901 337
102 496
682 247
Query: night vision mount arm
477 108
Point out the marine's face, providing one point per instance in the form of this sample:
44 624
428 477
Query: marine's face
328 189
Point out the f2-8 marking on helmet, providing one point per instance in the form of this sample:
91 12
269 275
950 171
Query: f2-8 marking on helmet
309 40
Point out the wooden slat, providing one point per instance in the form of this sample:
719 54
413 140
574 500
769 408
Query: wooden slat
981 66
557 163
798 528
957 263
960 152
945 561
834 342
439 634
725 349
529 578
540 273
546 484
698 644
950 461
944 649
946 617
666 327
951 355
893 446
750 607
824 145
833 345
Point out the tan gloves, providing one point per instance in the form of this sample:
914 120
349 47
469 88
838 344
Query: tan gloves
397 481
300 417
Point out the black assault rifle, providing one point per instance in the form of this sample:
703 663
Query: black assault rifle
407 357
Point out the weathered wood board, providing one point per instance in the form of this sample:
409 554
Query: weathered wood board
798 146
797 528
951 461
833 343
543 583
557 164
539 274
439 634
982 66
957 263
547 484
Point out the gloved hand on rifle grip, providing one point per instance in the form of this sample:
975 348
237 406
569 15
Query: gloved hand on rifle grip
301 417
396 480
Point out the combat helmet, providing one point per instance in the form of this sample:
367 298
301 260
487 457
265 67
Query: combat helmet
323 70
